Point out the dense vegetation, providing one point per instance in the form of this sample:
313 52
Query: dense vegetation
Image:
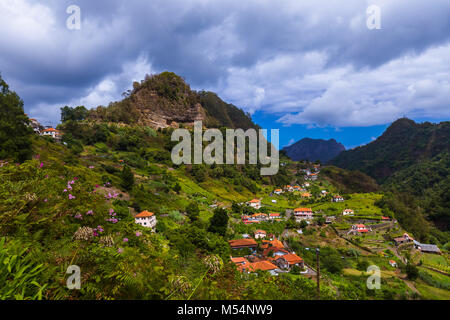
15 134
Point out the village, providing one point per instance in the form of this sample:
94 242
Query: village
263 251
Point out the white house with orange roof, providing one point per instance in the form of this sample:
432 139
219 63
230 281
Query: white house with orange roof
303 213
255 203
278 191
146 219
348 212
260 234
274 216
54 133
359 229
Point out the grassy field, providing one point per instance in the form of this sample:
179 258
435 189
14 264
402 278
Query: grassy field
361 203
431 293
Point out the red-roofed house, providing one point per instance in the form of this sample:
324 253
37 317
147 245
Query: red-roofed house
403 239
55 134
304 213
261 265
242 243
348 212
260 234
255 203
146 219
278 191
289 260
360 228
239 261
273 216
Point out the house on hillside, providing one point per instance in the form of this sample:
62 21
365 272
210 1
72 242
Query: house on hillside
303 213
427 248
348 212
278 191
55 134
260 217
385 219
261 265
243 243
272 243
313 176
359 229
405 238
146 219
239 261
37 127
289 188
287 261
306 185
337 198
274 251
260 234
255 203
275 216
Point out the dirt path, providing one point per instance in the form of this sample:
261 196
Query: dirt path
411 286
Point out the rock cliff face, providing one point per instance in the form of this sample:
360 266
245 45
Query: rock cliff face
166 100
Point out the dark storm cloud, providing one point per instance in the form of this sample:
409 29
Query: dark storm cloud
288 57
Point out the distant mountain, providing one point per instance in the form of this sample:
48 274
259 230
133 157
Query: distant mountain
412 162
166 100
403 144
314 149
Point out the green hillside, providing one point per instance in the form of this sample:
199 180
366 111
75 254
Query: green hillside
74 202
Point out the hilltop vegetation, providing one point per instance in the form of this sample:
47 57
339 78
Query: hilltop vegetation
167 100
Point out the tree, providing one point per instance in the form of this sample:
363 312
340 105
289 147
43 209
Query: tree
15 133
75 114
127 178
235 207
411 271
193 212
177 188
321 221
219 222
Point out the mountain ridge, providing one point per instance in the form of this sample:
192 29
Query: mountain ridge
314 149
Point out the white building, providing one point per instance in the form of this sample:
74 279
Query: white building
303 213
146 219
348 212
255 203
337 198
55 134
260 234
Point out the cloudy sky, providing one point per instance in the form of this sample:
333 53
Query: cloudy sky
310 68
